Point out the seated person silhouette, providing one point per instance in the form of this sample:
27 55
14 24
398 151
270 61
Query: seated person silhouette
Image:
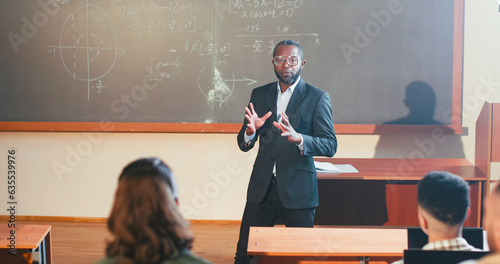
420 99
443 207
145 223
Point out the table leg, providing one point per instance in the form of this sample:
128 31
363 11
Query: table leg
48 248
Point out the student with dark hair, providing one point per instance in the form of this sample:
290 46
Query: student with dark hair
145 223
443 206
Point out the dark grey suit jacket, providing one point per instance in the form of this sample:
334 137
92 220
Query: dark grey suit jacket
310 114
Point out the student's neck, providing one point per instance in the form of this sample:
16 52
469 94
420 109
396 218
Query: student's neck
449 234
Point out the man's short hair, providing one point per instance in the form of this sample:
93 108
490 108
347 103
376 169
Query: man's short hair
445 196
289 42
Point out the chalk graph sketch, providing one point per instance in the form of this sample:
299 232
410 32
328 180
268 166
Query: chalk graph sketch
90 50
196 61
88 42
88 46
212 82
88 53
217 82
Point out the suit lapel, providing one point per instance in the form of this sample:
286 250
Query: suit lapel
298 95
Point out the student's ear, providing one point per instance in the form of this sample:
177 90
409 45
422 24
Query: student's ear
468 213
423 221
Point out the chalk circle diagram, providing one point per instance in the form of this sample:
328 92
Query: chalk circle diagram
88 44
216 82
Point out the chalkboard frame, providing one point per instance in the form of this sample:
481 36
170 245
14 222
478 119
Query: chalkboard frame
455 127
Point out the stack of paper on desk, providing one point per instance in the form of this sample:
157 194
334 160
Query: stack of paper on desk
330 168
325 167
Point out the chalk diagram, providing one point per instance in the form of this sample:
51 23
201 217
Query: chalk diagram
216 81
88 46
212 82
88 52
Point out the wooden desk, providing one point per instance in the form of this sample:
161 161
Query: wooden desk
384 191
28 238
327 245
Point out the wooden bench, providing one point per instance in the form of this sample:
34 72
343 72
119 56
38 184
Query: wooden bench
327 245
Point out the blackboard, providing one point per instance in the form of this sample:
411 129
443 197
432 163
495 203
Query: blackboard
195 62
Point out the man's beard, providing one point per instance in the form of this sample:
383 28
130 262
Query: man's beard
290 80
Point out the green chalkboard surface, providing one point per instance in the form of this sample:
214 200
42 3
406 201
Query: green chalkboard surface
196 62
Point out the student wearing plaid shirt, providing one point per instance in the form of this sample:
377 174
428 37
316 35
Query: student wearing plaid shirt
443 206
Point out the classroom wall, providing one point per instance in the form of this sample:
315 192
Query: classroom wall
481 68
74 174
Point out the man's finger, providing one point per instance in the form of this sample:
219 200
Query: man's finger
267 115
285 119
251 108
278 125
287 126
248 111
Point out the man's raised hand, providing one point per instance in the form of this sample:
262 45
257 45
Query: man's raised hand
254 121
287 130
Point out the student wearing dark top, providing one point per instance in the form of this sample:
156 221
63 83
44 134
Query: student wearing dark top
145 223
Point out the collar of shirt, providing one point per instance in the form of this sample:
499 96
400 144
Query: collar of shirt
291 88
458 244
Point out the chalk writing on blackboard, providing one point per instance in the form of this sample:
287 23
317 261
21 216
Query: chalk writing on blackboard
203 58
88 42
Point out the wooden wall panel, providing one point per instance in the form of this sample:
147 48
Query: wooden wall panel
483 139
495 133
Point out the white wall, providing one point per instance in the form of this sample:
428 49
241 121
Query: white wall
74 174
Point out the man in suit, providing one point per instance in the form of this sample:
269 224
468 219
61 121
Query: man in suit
293 121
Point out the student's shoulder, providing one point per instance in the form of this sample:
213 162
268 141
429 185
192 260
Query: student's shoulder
187 258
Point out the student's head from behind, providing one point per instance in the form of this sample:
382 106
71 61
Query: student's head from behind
145 222
491 219
443 201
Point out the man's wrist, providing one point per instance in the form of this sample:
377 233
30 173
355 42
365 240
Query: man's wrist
248 138
301 145
301 141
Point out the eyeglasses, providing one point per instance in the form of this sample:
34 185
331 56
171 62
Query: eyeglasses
291 60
